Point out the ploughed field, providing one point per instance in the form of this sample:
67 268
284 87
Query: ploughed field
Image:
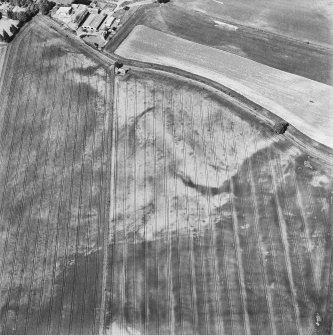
217 226
300 19
54 111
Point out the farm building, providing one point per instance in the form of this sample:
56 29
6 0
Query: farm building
94 21
109 20
77 7
4 8
64 11
94 10
18 9
121 71
93 3
79 16
5 25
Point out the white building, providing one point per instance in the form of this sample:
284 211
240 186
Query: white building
64 11
93 22
109 20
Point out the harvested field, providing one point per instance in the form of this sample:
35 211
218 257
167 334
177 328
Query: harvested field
302 102
54 111
301 19
218 226
303 59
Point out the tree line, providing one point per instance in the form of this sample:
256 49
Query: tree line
31 9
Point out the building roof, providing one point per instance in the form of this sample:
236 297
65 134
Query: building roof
5 6
79 6
94 21
19 9
80 15
64 10
109 20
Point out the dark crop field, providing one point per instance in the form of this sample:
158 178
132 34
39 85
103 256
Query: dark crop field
300 19
54 113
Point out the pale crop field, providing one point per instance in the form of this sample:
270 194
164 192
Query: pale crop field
217 226
302 102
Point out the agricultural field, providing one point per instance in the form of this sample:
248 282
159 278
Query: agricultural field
218 226
301 19
151 203
299 58
302 102
54 112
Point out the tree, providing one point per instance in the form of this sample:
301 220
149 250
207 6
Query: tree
13 29
10 14
33 9
22 16
45 6
0 15
118 64
6 37
280 127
